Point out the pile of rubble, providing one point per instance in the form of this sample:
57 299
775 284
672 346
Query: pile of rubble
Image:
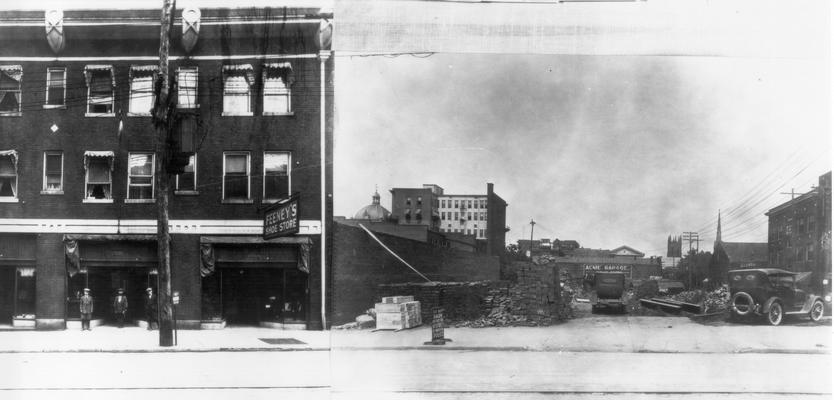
364 321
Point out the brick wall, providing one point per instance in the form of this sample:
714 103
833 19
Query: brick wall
536 293
459 300
360 265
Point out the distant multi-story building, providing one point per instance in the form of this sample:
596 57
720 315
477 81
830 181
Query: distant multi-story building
799 232
251 87
481 216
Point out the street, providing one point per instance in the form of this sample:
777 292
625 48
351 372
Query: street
411 374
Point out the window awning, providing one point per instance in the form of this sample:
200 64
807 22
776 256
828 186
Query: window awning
88 69
10 153
12 71
208 261
244 70
143 70
282 70
98 154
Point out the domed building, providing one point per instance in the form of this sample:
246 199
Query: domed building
373 211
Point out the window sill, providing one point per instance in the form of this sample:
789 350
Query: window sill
55 106
10 113
99 201
52 192
238 201
140 201
99 114
181 107
236 114
130 114
9 200
186 192
279 114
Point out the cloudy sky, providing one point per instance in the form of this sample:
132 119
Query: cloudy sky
605 150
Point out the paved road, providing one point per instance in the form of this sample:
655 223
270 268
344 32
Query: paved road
412 374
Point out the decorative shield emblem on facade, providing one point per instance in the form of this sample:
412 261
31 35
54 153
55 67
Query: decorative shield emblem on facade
324 35
190 28
55 30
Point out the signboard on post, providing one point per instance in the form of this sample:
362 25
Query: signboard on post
281 219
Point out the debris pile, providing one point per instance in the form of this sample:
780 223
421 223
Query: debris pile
363 321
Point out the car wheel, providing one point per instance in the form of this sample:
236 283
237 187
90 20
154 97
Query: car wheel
817 310
774 315
742 304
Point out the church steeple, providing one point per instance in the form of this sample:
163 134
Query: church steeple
718 233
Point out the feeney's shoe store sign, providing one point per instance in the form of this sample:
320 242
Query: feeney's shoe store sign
281 219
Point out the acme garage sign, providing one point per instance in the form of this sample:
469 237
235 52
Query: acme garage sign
281 219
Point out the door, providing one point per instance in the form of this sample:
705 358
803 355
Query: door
7 294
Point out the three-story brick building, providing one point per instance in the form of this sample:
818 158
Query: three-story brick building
253 94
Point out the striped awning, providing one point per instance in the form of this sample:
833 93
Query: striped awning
12 71
281 70
98 154
143 70
10 153
244 70
88 70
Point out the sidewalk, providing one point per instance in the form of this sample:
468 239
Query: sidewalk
595 334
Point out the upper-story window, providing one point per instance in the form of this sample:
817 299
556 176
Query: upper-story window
56 87
277 79
187 180
236 176
140 173
10 76
237 89
276 175
8 175
100 84
419 201
142 79
53 172
187 87
98 166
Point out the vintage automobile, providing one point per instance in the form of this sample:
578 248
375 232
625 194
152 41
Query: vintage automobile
771 293
609 291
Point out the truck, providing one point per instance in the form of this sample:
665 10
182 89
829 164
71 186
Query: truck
608 291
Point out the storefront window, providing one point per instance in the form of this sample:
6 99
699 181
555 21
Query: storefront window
25 300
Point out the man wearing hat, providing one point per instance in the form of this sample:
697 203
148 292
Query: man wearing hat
150 307
85 306
120 307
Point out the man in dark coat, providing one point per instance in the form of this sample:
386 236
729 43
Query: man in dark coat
85 306
120 307
150 308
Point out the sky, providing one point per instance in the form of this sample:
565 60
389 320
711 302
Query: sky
605 150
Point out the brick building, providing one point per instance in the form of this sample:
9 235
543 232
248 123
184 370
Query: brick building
254 95
799 232
483 217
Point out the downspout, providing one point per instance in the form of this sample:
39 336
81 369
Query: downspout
323 56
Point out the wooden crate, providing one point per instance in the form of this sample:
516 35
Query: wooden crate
398 315
397 299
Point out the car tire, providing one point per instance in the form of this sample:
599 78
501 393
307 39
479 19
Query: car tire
747 299
775 314
817 310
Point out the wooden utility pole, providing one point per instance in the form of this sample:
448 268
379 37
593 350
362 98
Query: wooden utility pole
162 124
532 225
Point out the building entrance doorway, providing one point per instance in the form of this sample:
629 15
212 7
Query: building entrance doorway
104 282
254 296
6 295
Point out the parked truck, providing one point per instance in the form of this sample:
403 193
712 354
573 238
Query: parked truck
608 291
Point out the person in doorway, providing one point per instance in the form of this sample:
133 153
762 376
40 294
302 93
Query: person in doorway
85 306
150 308
120 307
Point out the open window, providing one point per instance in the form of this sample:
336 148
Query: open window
10 77
187 179
8 176
140 177
277 79
56 87
236 177
98 166
53 172
101 82
237 89
276 175
142 79
187 87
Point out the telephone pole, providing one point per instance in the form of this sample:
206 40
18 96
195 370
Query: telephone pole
532 225
162 124
691 237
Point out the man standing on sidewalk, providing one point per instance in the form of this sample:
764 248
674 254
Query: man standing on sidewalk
150 308
120 307
86 309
